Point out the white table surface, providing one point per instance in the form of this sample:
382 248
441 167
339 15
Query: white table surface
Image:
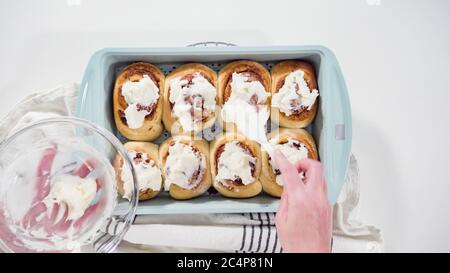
395 56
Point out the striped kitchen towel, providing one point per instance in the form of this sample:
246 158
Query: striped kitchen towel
248 232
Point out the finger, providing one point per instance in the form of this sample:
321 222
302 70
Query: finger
289 174
305 165
313 173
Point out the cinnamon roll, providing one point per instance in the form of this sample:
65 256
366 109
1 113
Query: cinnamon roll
190 99
244 91
137 102
144 157
294 94
294 144
235 166
185 165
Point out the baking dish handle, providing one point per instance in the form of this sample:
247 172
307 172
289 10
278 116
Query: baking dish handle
211 43
339 124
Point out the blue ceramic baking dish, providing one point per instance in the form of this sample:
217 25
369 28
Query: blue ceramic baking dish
332 127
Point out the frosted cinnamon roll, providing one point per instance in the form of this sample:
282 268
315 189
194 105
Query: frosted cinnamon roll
185 165
294 94
137 102
235 166
294 144
190 99
244 91
144 157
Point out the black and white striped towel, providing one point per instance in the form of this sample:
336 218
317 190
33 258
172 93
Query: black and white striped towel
248 232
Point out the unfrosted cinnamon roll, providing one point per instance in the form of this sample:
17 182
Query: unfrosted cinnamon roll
294 94
235 166
185 165
294 144
137 102
244 90
190 99
144 157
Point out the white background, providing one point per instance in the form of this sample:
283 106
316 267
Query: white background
395 56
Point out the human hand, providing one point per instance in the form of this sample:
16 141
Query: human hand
304 218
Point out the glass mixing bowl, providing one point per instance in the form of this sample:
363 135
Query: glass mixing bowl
58 191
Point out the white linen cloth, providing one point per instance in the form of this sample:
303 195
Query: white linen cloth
251 232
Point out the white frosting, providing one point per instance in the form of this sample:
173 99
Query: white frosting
241 110
74 192
181 164
143 92
243 89
148 175
291 152
135 118
187 97
294 94
234 163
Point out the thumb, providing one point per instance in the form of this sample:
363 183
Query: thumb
291 178
314 173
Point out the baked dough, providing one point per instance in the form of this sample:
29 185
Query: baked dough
200 146
152 154
279 73
152 127
235 189
254 70
171 122
268 177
